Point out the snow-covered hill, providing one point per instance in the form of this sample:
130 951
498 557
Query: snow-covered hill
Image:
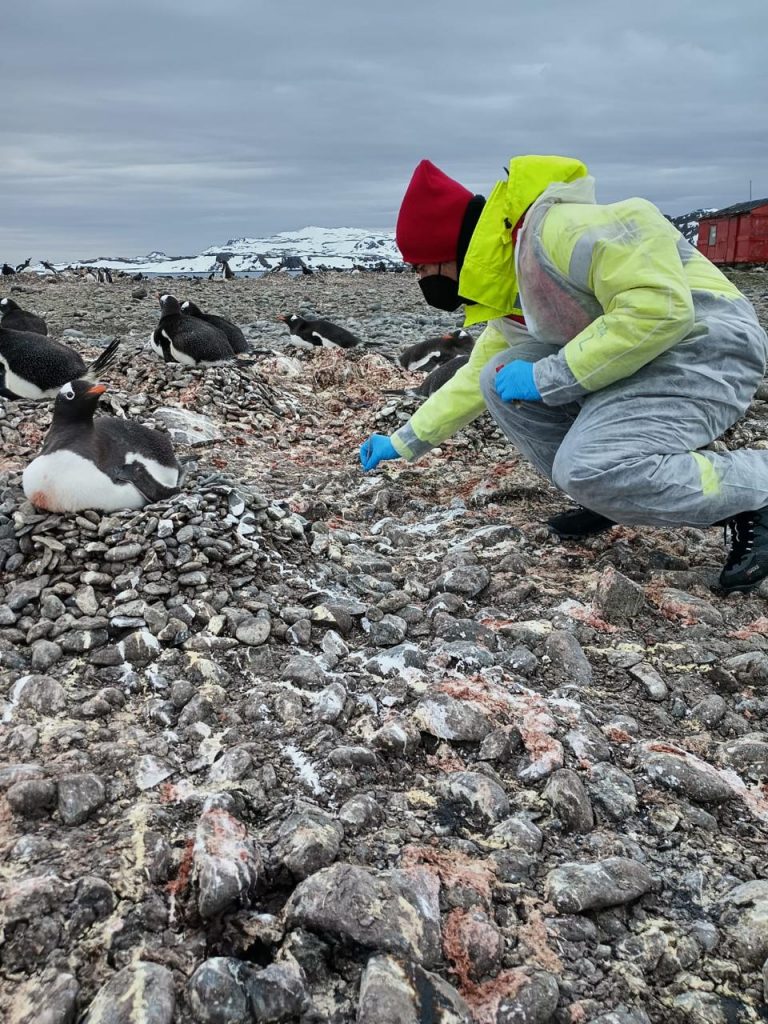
333 248
688 223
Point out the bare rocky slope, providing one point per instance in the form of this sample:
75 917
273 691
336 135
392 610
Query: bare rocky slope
302 744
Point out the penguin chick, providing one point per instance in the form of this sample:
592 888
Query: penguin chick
103 463
426 355
14 318
179 338
318 333
232 332
36 366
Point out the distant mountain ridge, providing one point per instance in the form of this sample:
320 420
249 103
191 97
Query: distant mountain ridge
318 248
688 223
330 248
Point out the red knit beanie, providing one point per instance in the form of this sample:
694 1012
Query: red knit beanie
430 217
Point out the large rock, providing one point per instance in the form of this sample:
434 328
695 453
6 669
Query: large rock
613 791
474 795
47 999
227 862
79 797
534 1001
685 774
570 803
617 598
567 658
186 427
216 992
140 994
353 904
447 718
746 918
574 888
748 754
308 840
395 992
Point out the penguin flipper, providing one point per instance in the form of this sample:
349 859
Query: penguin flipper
106 359
150 488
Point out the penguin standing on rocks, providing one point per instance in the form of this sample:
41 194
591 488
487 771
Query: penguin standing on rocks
234 335
434 380
103 463
7 270
426 355
312 334
36 366
184 339
13 317
21 267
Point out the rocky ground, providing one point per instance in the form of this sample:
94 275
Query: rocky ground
303 744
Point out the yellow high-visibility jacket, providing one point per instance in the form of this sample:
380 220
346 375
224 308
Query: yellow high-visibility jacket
613 285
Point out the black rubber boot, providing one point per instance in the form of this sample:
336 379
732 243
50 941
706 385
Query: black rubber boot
578 522
747 562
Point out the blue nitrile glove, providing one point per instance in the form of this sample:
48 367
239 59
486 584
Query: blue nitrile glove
515 382
376 449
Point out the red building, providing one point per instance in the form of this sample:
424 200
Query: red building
737 234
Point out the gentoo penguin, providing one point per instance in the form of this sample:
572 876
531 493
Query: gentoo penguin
23 266
234 335
426 355
49 266
104 463
179 338
13 317
318 333
7 270
434 380
36 366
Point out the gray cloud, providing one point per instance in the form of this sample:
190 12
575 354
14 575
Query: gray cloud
175 125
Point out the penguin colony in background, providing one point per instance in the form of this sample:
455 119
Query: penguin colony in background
109 463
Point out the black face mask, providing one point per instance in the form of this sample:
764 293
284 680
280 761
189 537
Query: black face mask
441 292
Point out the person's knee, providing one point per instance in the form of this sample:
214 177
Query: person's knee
488 381
585 477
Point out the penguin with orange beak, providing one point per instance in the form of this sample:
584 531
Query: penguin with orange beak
99 462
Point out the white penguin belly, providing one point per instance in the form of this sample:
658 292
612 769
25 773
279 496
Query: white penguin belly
418 363
157 349
66 482
325 342
180 357
23 388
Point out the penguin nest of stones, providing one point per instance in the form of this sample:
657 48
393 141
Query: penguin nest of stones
333 367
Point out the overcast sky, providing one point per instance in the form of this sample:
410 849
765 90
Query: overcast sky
177 124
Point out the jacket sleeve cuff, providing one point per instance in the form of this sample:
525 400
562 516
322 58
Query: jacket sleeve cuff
407 444
555 381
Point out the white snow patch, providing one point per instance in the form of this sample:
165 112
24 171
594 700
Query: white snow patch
306 770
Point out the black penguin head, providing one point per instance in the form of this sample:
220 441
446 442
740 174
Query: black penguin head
6 305
169 305
77 400
291 319
190 308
